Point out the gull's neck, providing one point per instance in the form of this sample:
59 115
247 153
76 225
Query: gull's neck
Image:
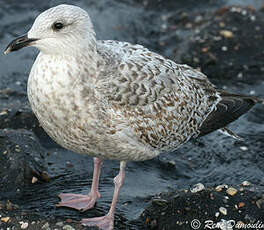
83 57
85 54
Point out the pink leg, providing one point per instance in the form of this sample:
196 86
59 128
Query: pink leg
107 222
84 202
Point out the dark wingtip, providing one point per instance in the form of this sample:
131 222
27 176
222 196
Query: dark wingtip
230 108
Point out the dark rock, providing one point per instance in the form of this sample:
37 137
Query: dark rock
228 48
20 116
206 207
21 157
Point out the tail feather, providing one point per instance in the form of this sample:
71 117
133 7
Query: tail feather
230 108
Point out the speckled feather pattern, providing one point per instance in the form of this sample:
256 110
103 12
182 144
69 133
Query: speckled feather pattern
119 101
116 100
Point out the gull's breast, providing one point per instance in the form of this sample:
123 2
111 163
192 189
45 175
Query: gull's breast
68 111
55 95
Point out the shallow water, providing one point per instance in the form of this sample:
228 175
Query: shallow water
214 159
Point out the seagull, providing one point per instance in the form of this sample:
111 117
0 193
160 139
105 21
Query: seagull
115 100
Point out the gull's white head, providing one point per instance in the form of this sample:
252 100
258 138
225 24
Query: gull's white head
59 30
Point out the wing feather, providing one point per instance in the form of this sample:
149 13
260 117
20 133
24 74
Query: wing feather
164 103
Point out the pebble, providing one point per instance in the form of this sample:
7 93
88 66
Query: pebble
60 224
24 225
219 188
188 25
225 225
69 164
240 224
198 19
226 33
5 219
253 18
205 49
172 163
222 24
45 176
197 188
259 203
241 204
69 221
252 92
235 9
231 191
9 205
240 75
245 183
34 180
196 59
153 224
217 38
2 113
164 26
224 48
244 148
244 12
68 227
223 210
45 226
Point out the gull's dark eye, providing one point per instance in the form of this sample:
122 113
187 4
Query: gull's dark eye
57 26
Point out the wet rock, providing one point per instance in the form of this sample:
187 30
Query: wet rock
18 118
201 207
21 157
232 38
159 202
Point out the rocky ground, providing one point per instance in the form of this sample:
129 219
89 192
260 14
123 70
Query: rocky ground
222 206
226 43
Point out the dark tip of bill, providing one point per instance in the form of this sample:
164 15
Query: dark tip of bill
19 43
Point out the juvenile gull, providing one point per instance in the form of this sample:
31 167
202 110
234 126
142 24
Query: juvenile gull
115 100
